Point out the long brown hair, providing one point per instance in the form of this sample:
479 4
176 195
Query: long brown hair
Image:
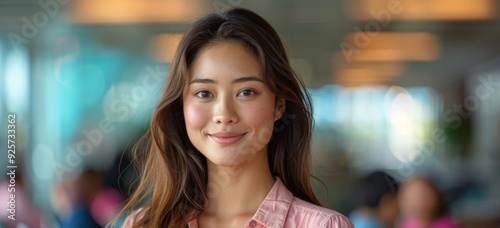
174 177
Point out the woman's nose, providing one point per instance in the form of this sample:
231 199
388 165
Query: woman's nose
225 112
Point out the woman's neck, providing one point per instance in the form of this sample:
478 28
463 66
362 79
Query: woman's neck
237 191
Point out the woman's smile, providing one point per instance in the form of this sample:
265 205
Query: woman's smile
226 138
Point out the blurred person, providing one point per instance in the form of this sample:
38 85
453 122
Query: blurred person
376 201
73 198
422 205
229 144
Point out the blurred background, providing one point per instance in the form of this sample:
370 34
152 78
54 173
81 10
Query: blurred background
406 87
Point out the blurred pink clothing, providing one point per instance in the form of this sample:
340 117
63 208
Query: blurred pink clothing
442 222
105 205
280 209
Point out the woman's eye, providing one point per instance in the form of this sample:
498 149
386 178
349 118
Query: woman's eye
203 94
246 93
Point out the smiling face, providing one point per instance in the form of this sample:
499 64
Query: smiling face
229 111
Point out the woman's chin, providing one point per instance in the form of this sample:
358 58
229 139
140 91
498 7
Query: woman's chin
230 160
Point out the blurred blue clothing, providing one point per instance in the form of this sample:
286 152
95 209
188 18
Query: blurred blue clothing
362 219
80 218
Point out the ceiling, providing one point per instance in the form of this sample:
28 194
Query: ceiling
314 31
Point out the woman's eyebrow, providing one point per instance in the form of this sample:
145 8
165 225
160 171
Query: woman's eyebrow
203 80
238 80
247 79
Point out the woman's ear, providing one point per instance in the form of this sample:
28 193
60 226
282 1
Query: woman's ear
279 108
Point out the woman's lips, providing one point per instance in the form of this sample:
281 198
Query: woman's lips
226 138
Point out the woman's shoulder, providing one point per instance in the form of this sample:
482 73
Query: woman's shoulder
315 216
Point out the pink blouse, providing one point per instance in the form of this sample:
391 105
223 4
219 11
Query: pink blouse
280 209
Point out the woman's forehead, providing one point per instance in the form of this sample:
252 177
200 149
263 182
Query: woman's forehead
225 60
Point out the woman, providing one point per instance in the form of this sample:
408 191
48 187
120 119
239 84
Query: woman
230 136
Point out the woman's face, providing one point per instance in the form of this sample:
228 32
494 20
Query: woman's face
228 109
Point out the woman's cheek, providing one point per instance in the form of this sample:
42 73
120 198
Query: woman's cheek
196 116
261 120
260 117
